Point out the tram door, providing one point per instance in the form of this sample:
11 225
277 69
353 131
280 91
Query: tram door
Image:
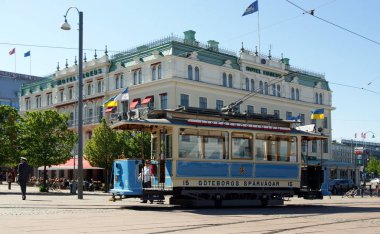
311 177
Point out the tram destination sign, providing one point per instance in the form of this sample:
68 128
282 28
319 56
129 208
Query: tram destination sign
237 125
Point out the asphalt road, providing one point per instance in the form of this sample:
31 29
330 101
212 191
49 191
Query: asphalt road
59 212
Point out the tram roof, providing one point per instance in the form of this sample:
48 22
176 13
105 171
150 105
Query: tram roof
160 118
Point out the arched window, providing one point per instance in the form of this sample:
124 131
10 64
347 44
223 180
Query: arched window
159 72
135 77
117 82
278 91
261 87
224 79
273 89
196 71
292 94
230 81
189 72
121 80
316 98
153 72
320 99
252 85
247 84
297 94
140 76
266 88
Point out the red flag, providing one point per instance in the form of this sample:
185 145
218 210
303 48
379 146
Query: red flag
12 51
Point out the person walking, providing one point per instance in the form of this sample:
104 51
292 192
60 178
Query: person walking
146 176
23 174
9 179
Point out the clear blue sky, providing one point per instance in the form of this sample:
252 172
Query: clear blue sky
310 43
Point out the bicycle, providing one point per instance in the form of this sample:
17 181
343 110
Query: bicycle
352 193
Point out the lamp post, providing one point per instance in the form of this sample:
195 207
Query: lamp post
66 26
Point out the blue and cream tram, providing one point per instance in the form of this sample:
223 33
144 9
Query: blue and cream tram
207 158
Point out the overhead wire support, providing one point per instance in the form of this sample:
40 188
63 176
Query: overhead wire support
312 13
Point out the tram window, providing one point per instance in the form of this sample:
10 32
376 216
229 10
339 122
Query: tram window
276 148
242 146
189 146
154 147
213 148
168 146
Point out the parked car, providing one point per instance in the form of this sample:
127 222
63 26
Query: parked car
340 186
374 182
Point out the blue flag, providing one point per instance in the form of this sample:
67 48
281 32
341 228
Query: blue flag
27 54
252 8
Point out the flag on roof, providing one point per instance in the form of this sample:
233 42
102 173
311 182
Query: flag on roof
123 96
252 8
27 54
294 118
318 114
12 51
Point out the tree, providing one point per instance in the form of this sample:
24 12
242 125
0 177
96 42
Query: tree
46 139
134 144
103 148
373 166
9 129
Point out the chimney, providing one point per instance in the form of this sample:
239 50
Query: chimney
213 45
189 37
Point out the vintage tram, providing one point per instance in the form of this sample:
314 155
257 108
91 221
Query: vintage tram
208 158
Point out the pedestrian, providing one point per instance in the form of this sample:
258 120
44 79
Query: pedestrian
9 179
23 174
146 177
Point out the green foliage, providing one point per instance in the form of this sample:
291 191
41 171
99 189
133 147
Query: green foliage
373 166
9 130
45 138
134 144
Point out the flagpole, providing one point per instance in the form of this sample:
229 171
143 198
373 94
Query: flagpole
258 28
30 65
15 61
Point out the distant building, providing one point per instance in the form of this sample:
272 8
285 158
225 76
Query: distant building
10 86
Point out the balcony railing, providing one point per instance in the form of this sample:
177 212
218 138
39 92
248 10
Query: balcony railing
86 121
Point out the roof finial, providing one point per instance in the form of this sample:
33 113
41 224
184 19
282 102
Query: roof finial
75 61
85 57
256 53
242 47
57 66
106 51
66 65
270 55
95 55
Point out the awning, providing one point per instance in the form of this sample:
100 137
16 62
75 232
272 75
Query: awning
146 100
69 165
134 103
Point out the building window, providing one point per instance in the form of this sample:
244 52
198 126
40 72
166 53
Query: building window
278 91
247 84
203 102
27 103
61 95
89 89
121 80
266 88
185 100
320 99
153 72
196 71
49 99
325 146
273 89
230 81
117 81
38 101
219 104
314 146
224 79
276 113
261 87
135 77
250 109
325 125
159 72
140 76
99 86
297 94
71 93
252 85
189 72
316 98
264 111
164 100
288 115
292 94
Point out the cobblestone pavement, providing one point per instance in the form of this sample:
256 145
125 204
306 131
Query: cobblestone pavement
59 212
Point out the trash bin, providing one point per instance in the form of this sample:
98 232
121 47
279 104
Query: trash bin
73 188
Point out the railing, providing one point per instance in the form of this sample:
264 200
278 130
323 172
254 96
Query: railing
88 120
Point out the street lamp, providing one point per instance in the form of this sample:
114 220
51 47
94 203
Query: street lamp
66 26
